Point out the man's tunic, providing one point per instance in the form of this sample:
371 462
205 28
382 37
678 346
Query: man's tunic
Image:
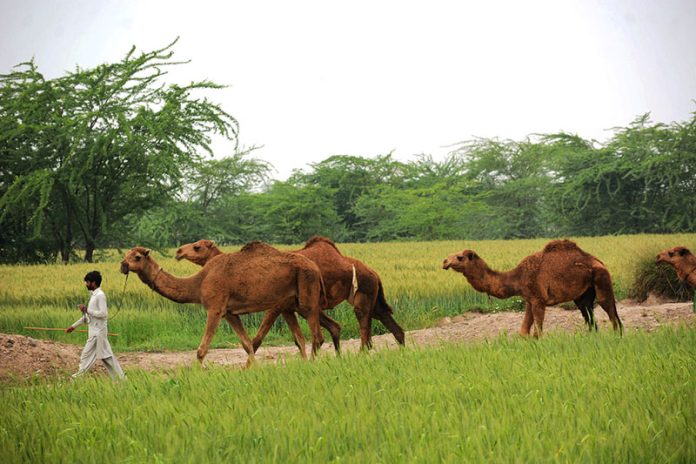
97 346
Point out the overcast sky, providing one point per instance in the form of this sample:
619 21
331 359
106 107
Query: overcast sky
311 79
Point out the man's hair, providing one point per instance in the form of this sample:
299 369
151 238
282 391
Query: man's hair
93 276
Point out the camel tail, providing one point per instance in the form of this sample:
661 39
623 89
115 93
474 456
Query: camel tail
383 312
605 296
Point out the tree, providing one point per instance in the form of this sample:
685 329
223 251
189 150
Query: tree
641 181
210 181
346 178
512 180
215 203
88 149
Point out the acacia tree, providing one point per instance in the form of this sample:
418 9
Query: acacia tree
82 151
641 181
214 204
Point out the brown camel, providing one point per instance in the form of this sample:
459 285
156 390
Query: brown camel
202 251
560 272
256 278
345 278
681 259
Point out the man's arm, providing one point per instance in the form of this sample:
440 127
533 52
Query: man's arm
100 312
77 323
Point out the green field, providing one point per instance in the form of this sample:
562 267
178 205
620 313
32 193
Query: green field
586 397
415 285
565 398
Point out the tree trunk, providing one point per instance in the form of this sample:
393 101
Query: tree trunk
64 242
65 254
89 252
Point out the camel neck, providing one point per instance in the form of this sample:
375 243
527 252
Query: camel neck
214 251
495 283
688 273
180 290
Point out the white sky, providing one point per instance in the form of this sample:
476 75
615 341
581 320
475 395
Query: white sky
311 79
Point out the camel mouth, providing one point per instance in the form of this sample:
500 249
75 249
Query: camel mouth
179 257
446 265
124 268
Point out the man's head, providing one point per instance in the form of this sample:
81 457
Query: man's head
93 280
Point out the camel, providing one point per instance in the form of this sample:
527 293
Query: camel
681 259
202 251
256 278
560 272
345 278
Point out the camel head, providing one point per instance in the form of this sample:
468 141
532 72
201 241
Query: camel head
467 262
197 252
677 257
137 260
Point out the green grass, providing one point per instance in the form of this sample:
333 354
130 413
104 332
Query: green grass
415 285
566 398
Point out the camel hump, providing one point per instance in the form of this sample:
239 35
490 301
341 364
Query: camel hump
320 239
257 246
561 245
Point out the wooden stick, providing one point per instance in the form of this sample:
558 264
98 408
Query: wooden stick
63 330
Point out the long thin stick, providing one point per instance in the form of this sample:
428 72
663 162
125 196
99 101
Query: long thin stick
63 330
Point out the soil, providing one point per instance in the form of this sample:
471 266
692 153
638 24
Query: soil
22 358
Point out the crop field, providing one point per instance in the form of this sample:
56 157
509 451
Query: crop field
565 398
415 285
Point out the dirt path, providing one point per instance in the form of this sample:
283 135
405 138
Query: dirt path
24 357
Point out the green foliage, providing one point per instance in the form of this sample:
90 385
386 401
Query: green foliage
576 398
639 182
83 151
546 186
112 156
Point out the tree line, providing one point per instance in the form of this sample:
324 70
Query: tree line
112 157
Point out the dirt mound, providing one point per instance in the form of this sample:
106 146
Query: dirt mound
23 357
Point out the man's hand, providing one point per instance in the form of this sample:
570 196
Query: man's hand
69 329
83 308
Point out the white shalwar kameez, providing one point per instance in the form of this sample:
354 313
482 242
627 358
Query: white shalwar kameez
97 346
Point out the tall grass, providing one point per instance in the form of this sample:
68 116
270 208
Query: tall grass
568 398
415 285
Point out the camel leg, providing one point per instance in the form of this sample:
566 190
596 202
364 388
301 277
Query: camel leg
309 299
211 326
605 296
315 328
538 310
334 329
585 304
294 326
268 319
383 313
329 324
362 308
236 324
527 321
230 320
388 321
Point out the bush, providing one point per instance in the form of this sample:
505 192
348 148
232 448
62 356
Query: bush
659 280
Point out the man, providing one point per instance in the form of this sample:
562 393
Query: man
95 315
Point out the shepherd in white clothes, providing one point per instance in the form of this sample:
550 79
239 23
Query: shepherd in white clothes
95 316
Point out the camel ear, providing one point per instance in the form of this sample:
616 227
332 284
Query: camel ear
208 243
683 252
146 252
471 255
